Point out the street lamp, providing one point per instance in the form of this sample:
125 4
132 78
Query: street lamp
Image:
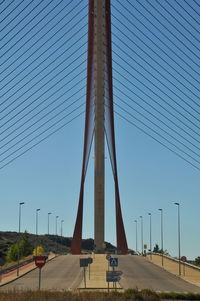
150 238
179 238
136 235
20 204
141 217
49 213
37 210
56 223
56 234
161 231
61 230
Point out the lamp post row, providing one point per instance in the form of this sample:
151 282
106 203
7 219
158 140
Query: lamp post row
36 230
161 234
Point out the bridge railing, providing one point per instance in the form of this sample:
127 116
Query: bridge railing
14 266
177 260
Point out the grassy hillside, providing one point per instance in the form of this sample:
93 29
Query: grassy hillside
51 243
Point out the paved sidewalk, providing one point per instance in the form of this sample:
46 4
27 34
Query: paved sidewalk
187 273
12 275
97 279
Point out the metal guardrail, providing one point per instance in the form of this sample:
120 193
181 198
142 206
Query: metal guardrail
14 266
174 259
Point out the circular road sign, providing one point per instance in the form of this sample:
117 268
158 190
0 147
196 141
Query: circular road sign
40 261
108 256
184 258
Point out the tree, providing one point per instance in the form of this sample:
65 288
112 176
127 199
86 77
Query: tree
197 260
39 250
156 249
12 253
25 248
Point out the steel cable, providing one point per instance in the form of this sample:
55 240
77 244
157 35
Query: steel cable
145 132
36 114
40 80
41 96
39 65
178 96
43 139
157 37
160 105
168 104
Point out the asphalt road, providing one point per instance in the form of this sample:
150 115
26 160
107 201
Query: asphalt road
62 273
141 273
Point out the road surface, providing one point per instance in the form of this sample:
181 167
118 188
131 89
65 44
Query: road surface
62 273
141 273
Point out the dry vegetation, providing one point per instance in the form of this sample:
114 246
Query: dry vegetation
128 295
76 296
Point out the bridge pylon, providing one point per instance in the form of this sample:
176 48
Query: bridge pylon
99 124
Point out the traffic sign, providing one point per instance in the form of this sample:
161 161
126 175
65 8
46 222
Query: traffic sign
108 256
113 277
184 258
40 261
114 273
113 262
84 262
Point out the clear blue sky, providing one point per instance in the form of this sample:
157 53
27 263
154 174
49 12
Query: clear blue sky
150 176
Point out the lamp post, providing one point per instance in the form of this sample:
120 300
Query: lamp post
56 224
56 233
141 217
136 235
161 231
36 230
179 238
20 204
49 213
150 235
61 229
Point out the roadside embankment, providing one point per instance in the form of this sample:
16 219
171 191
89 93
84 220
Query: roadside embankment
188 272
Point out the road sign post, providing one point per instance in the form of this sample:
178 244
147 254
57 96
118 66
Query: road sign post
108 256
84 262
90 260
113 276
184 259
40 262
84 276
40 277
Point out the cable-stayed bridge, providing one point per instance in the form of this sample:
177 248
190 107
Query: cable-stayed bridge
136 60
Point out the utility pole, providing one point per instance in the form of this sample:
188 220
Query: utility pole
136 235
36 230
142 242
179 238
161 231
150 233
18 242
49 213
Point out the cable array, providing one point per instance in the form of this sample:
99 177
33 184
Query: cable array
43 72
156 73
